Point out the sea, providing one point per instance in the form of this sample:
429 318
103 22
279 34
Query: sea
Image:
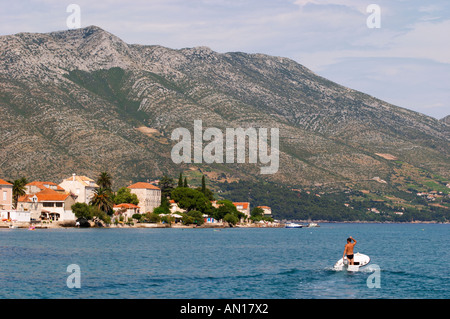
408 261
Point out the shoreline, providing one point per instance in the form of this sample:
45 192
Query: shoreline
61 225
69 225
371 222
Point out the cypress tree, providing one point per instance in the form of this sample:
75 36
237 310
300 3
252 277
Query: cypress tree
203 185
180 180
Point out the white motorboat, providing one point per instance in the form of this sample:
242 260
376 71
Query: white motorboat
293 225
359 260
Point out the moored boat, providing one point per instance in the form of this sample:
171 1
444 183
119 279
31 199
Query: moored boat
293 225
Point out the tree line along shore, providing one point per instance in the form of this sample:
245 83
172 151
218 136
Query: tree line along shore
196 206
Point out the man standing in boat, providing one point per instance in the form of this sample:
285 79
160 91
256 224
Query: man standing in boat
349 250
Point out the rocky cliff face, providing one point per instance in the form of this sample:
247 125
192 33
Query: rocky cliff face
446 120
84 101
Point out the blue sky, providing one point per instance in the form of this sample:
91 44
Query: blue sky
405 62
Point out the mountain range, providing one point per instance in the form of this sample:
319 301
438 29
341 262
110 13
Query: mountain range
84 101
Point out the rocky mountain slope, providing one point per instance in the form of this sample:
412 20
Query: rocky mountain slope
84 101
446 120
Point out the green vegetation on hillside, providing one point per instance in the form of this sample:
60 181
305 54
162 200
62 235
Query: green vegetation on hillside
349 205
109 85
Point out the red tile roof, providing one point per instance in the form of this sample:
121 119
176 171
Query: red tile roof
3 182
143 185
45 195
42 186
244 204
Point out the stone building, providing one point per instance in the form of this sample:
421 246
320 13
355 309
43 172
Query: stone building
149 196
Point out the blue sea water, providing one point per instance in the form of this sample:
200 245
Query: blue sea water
248 263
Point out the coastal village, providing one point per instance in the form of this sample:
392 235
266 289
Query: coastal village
49 205
45 204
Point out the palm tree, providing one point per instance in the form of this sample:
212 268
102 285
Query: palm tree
102 199
104 181
18 189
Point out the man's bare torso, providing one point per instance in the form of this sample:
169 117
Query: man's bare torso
349 248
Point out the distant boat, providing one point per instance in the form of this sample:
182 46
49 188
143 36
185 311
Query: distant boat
293 225
313 225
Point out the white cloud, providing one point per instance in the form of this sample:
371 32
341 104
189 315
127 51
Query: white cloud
354 4
426 40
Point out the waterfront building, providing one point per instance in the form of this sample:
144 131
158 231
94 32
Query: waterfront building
48 205
127 210
267 211
243 207
14 216
149 196
81 186
6 197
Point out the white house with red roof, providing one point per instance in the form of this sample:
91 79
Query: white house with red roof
243 207
48 204
149 196
81 186
267 210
